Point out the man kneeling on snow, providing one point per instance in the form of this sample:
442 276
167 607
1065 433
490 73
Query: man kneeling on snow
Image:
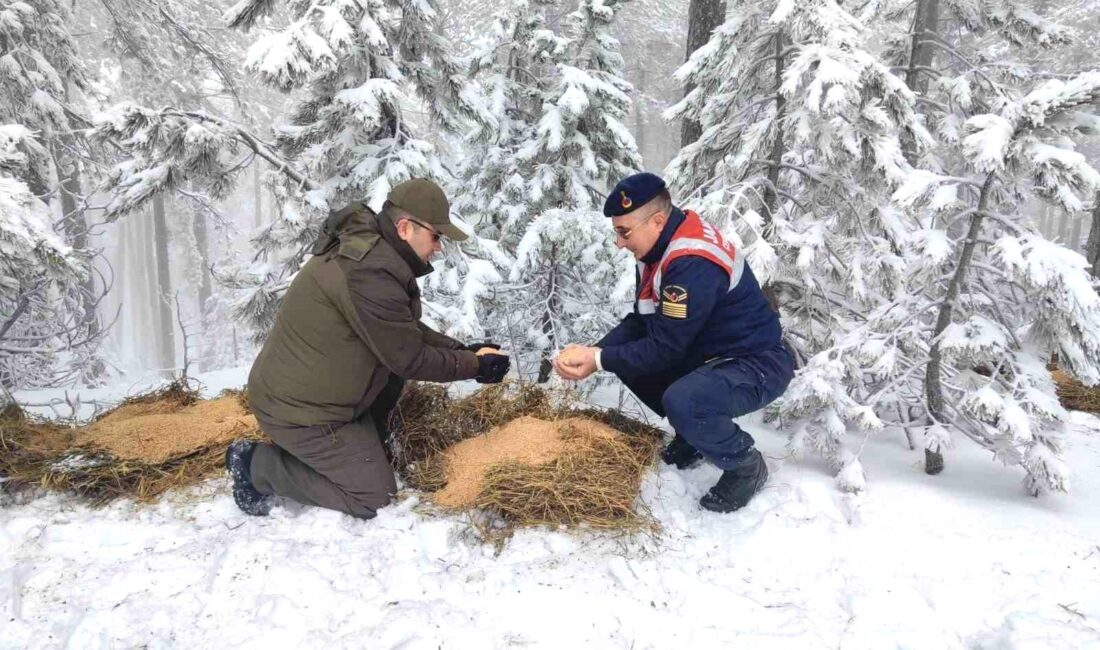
703 345
346 337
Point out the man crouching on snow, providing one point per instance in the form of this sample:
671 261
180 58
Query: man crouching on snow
703 345
346 337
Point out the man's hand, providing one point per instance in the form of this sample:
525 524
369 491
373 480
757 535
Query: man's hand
575 362
491 367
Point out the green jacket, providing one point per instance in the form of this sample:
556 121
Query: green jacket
349 320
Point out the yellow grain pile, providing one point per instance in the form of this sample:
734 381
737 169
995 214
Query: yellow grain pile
148 445
153 433
508 451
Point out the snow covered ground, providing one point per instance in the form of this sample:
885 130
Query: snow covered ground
963 560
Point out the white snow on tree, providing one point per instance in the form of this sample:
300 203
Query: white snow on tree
48 328
359 69
514 69
576 282
39 274
801 145
581 145
901 314
535 180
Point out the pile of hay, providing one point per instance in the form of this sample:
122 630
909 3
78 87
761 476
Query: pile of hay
142 448
509 451
1074 395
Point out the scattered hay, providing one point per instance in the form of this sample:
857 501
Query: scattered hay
564 466
594 482
525 441
144 447
177 395
152 434
1076 396
426 422
512 452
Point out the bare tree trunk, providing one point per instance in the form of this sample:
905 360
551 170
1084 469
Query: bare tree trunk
76 229
926 22
771 194
165 324
258 195
704 16
202 248
921 54
202 244
145 265
553 306
124 327
1075 232
933 460
775 158
1092 249
1063 227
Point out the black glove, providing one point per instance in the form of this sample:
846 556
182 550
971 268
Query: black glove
474 347
491 368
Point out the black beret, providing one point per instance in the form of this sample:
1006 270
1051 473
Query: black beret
632 193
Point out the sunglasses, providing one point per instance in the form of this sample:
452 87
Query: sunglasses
436 235
624 234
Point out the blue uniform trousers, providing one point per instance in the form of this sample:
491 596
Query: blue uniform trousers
701 404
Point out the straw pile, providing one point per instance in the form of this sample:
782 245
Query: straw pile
510 452
148 445
1074 395
507 453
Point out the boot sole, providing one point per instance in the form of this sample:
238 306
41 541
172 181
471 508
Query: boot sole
244 496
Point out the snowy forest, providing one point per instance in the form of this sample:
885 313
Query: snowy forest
914 183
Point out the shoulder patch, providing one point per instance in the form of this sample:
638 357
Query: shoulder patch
674 301
357 248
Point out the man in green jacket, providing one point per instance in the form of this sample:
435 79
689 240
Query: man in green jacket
346 337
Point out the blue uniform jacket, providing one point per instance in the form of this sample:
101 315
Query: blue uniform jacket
720 322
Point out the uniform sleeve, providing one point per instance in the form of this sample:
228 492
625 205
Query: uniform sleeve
438 340
630 328
383 313
672 329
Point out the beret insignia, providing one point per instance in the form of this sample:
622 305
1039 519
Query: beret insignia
626 202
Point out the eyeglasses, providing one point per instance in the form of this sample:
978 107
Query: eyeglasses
625 234
436 235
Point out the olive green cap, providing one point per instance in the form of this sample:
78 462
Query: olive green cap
426 202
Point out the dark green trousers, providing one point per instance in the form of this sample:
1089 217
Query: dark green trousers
340 467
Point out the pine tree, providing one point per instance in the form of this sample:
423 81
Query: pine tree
538 178
350 137
40 277
166 52
515 72
46 304
581 143
972 100
802 131
918 297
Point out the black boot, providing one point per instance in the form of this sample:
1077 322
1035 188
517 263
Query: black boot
238 460
680 453
737 485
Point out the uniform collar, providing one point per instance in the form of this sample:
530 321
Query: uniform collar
675 219
389 233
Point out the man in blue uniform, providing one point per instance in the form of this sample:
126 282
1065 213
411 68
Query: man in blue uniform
703 345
